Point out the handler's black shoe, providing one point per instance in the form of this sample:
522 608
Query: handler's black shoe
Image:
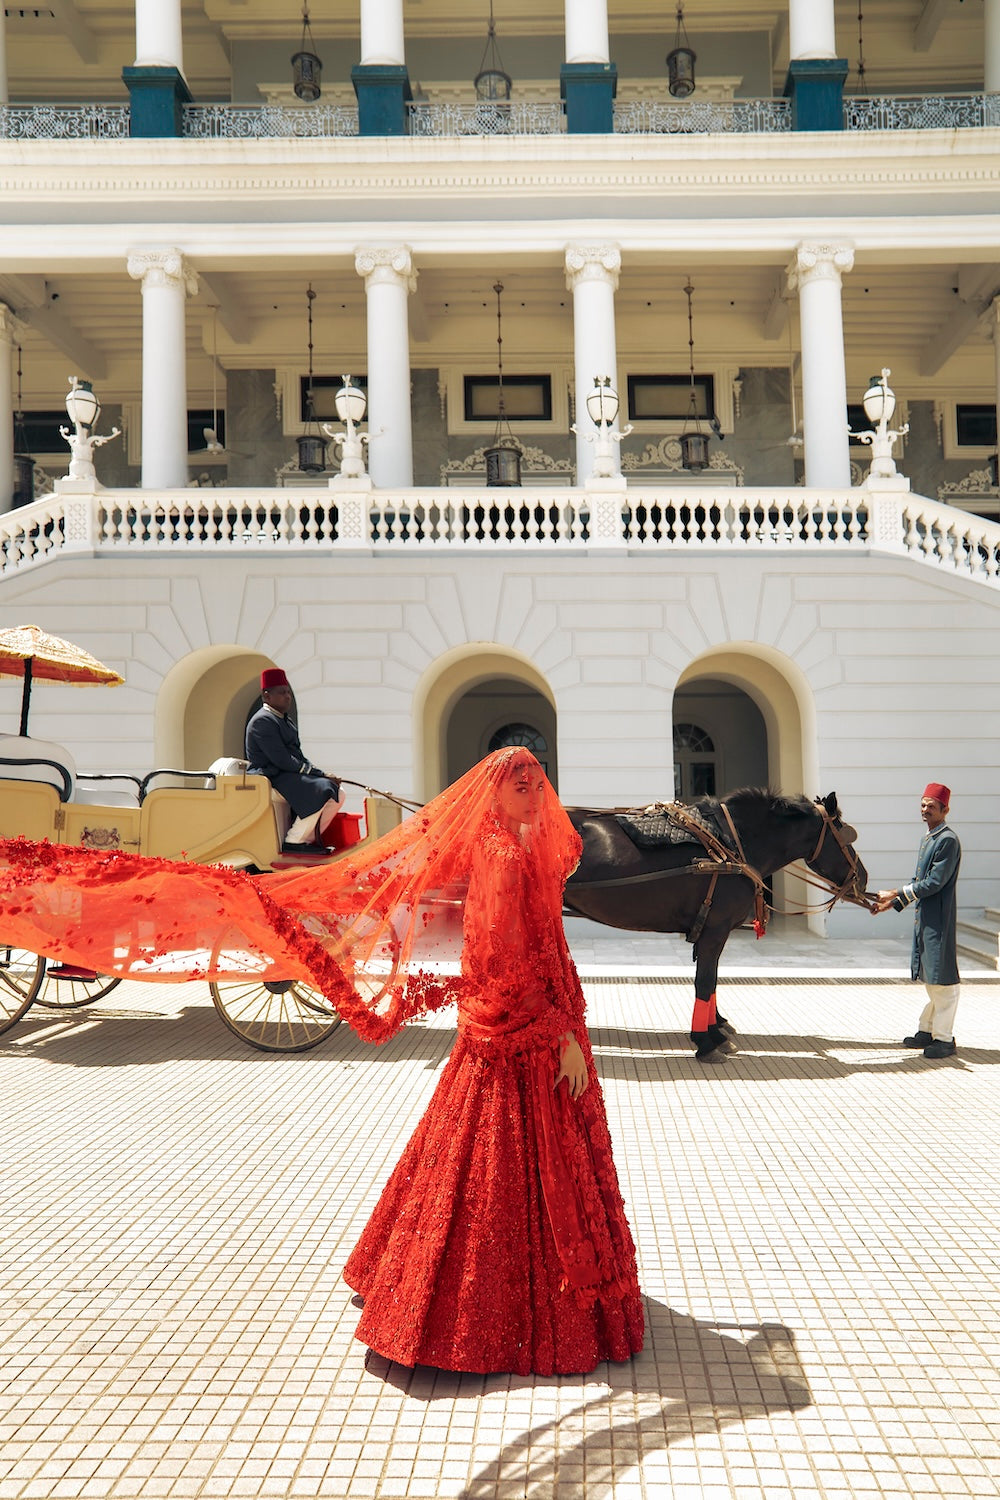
940 1049
918 1039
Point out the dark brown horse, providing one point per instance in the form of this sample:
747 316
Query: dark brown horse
643 890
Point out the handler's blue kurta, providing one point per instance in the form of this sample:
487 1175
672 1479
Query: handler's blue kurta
934 956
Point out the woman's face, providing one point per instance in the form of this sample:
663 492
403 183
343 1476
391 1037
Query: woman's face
520 796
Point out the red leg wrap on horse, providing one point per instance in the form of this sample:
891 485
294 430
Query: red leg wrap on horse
712 1012
704 1014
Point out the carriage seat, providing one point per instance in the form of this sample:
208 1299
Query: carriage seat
37 760
107 790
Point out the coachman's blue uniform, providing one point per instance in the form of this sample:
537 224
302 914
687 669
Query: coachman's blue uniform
934 956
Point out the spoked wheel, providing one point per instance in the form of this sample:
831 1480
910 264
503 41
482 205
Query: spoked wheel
275 1015
20 976
66 987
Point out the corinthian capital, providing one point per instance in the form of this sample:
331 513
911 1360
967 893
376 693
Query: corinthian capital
386 263
162 268
593 263
819 263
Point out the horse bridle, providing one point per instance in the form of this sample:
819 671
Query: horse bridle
846 846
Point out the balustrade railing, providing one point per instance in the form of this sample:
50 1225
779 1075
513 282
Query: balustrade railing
702 117
921 112
531 520
255 122
486 118
70 122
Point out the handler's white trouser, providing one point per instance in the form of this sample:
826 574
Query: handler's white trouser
938 1015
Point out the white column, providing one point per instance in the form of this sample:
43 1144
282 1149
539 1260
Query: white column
586 26
389 280
4 88
6 405
382 33
592 277
815 273
159 40
991 47
166 283
811 29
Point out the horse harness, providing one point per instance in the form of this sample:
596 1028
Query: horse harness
719 859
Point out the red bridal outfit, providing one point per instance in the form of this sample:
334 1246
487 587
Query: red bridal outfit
500 1241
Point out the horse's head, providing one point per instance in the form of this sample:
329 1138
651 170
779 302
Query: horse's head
833 856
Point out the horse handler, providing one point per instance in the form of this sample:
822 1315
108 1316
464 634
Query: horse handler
934 957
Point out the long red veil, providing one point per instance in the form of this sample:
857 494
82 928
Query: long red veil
379 932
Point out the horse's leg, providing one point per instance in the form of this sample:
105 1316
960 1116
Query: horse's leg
709 1039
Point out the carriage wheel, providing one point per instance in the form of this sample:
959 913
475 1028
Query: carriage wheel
65 988
20 976
275 1015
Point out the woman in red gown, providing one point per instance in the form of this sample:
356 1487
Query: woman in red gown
500 1241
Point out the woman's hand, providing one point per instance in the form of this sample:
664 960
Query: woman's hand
572 1066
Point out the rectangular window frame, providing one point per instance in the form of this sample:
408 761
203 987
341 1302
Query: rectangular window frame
947 414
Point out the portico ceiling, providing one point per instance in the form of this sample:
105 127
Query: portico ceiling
892 315
77 48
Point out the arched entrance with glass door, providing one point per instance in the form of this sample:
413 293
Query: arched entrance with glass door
475 699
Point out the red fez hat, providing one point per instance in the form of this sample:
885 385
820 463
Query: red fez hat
273 677
939 791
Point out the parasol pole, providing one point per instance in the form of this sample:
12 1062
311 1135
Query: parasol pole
26 697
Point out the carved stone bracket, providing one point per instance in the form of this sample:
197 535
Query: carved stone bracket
533 460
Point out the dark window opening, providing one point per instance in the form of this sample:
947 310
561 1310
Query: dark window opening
324 390
667 398
526 398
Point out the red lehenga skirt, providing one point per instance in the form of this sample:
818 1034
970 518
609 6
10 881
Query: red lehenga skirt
459 1265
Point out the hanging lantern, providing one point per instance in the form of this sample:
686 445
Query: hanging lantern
680 61
306 66
492 84
503 456
311 445
694 442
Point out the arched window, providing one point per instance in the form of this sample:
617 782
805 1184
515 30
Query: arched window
522 734
695 762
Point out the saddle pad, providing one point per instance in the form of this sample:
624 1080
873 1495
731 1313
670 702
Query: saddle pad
652 830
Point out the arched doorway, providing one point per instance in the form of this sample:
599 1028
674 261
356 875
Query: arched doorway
757 707
203 705
475 697
720 739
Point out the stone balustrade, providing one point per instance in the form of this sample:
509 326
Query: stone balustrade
530 520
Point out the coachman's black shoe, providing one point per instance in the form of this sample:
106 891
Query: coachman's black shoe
939 1049
918 1039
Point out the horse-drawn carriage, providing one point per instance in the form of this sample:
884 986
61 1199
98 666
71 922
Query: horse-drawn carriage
220 816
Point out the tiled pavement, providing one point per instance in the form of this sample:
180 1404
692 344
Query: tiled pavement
817 1221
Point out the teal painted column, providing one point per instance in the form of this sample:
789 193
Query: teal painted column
383 92
158 97
589 90
815 87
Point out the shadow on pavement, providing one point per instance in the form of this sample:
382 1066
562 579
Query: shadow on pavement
691 1376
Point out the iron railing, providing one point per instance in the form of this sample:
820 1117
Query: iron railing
921 112
702 117
70 122
248 122
486 118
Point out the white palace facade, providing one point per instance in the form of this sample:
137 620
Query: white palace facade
205 247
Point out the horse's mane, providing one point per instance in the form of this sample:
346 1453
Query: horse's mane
755 802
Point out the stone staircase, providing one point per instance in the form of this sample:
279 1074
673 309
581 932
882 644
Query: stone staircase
979 939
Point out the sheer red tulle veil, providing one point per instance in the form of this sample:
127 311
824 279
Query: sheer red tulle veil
380 932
